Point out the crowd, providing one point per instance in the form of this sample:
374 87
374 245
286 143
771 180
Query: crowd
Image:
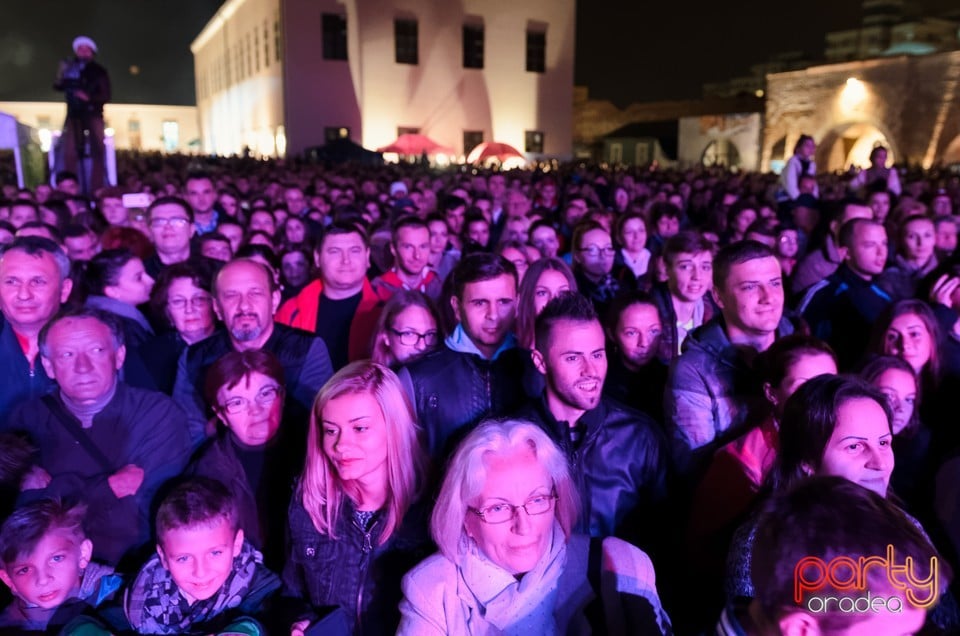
306 399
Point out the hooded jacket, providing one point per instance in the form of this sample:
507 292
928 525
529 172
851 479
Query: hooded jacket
712 391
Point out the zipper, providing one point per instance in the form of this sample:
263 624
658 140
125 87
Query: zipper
365 550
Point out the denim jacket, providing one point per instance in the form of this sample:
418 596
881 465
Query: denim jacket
352 571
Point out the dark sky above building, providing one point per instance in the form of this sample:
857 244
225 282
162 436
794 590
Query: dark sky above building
627 50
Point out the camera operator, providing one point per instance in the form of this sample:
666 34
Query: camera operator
87 87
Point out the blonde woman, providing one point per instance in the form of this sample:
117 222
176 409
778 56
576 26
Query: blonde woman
354 526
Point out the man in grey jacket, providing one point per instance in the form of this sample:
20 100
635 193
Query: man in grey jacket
711 389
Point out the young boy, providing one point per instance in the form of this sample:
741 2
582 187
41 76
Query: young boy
46 564
204 579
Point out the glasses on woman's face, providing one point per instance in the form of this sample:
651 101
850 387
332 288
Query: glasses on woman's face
264 397
594 251
412 338
503 512
196 302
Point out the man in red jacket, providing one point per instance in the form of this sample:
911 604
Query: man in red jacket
341 306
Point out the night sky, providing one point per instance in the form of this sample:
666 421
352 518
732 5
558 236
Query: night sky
627 50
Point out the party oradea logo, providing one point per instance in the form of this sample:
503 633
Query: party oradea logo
841 584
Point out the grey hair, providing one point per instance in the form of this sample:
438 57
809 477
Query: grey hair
111 321
467 474
37 245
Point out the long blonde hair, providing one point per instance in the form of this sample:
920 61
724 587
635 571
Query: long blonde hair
321 488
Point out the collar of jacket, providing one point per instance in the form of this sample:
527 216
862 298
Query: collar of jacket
592 420
712 337
460 342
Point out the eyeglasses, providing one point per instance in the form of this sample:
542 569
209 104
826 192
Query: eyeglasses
197 302
594 251
178 222
264 397
503 512
412 338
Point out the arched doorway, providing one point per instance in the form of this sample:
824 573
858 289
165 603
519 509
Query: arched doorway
850 145
721 152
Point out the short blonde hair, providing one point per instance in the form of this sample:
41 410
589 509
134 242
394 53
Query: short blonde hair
321 489
467 474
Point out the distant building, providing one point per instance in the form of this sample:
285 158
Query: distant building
280 76
147 127
888 29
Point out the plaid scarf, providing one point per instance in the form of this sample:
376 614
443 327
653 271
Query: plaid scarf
154 604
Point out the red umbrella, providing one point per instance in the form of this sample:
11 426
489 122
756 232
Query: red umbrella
415 144
493 150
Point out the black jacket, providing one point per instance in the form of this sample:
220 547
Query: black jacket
306 368
20 381
621 466
144 428
262 498
453 391
352 571
842 310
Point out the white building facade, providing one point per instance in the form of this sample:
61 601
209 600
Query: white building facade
280 76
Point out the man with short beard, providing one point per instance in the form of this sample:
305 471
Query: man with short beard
618 457
245 298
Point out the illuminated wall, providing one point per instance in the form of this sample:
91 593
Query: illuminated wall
238 70
909 103
150 127
370 94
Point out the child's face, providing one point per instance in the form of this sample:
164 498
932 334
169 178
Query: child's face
47 576
199 558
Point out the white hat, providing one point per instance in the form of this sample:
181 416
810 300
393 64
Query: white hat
82 40
397 187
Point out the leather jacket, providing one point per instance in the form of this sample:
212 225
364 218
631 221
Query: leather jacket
352 571
621 467
453 391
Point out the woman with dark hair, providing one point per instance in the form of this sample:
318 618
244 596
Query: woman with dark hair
915 257
631 232
832 426
181 302
408 327
296 270
730 486
118 283
637 368
909 330
878 175
545 279
912 478
256 454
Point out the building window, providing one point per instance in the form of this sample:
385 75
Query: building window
616 153
472 46
276 36
471 139
334 37
256 47
405 41
536 51
171 135
332 133
266 44
533 141
250 57
133 134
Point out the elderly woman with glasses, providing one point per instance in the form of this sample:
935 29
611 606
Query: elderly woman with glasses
508 563
255 456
